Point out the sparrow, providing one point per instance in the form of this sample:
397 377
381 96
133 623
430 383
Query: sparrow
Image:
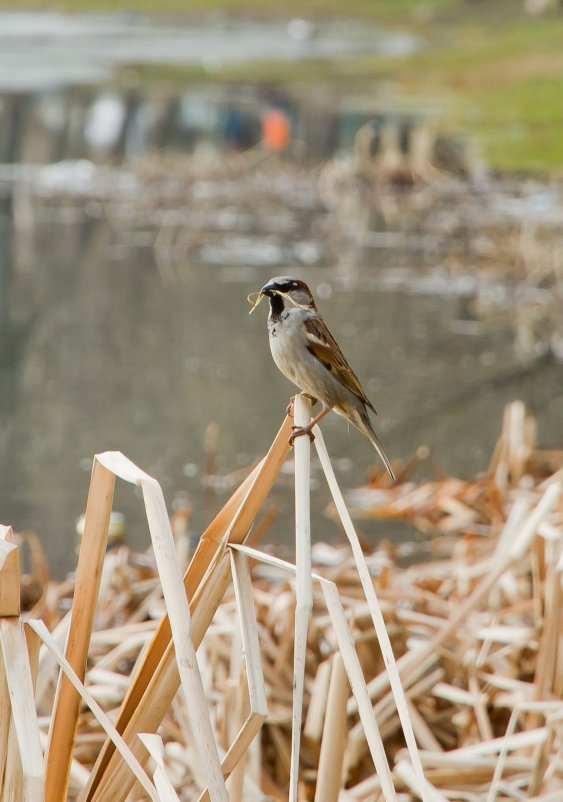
308 355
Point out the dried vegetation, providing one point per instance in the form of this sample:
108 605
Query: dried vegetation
476 634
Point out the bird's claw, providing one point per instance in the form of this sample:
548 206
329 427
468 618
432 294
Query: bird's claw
290 406
299 431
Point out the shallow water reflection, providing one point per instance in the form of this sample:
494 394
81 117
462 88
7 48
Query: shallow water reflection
102 348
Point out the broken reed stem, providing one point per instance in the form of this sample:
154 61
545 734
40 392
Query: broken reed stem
88 576
179 613
24 750
208 546
469 751
331 760
255 679
304 587
129 760
156 681
522 530
376 614
154 746
351 663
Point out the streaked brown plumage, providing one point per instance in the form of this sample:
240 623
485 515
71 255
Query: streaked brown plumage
306 353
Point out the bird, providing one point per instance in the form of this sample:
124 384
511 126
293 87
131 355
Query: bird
308 355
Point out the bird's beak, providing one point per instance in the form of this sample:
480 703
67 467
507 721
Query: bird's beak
268 289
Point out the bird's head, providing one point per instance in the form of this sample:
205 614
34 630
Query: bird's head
288 292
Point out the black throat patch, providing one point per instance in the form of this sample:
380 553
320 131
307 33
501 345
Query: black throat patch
276 307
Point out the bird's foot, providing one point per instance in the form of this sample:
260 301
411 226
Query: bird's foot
299 431
289 407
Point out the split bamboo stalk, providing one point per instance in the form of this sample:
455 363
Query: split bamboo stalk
156 681
331 760
88 575
304 590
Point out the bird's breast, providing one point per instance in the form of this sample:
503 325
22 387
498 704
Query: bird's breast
285 345
288 343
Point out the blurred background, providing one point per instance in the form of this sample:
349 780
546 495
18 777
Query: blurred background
157 164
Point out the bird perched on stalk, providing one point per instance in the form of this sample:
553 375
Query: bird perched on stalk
308 355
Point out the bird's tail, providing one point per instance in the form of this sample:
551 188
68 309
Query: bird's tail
363 423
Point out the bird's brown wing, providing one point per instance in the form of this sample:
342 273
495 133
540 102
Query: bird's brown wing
324 347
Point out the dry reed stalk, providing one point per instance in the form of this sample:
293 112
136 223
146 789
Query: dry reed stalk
10 585
25 769
22 775
304 588
317 703
179 615
508 740
88 575
255 678
522 531
24 718
206 550
9 605
472 701
377 615
404 770
331 759
155 748
129 759
423 732
5 715
549 665
155 682
239 712
351 663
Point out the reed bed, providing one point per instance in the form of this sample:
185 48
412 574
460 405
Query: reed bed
348 677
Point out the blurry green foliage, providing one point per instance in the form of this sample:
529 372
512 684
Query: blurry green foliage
498 71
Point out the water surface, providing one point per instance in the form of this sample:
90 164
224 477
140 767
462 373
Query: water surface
107 346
